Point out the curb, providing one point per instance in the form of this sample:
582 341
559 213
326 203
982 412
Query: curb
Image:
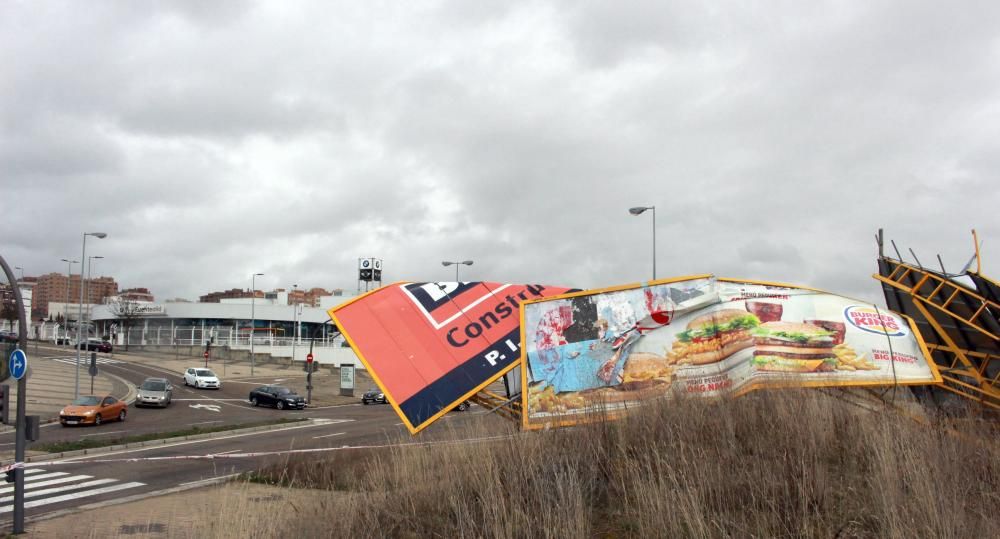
45 457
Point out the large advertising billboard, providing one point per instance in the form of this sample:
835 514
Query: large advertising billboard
431 346
609 350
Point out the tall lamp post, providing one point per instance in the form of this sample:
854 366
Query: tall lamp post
253 316
447 263
638 210
295 320
90 302
69 273
79 336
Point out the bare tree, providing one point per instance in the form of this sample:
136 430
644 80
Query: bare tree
8 307
127 311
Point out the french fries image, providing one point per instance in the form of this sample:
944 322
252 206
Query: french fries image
849 360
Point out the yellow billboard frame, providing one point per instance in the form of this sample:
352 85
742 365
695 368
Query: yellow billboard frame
585 418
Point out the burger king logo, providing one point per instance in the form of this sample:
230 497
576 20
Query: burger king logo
873 321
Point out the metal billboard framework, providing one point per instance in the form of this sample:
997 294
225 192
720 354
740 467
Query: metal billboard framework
958 316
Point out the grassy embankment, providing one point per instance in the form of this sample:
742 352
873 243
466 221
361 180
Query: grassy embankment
791 464
91 443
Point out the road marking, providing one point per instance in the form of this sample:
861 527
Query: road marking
86 361
209 399
329 435
204 422
36 477
210 407
210 480
74 496
102 433
29 486
333 406
317 422
38 493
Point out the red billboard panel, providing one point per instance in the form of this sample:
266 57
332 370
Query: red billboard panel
431 346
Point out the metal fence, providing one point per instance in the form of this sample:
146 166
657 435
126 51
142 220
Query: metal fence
184 336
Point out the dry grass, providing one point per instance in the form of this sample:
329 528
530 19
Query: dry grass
790 464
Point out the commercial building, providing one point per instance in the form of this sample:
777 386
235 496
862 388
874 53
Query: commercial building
56 287
277 328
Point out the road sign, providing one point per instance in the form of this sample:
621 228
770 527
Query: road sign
206 354
17 364
309 358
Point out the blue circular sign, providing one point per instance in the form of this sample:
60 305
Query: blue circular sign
17 364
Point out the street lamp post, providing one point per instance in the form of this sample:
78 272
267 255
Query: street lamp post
79 339
295 320
69 273
253 317
638 210
90 302
447 263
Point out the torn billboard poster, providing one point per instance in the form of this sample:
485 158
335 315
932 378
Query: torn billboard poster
607 350
431 346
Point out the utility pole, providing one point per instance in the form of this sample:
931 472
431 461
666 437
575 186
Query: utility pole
20 440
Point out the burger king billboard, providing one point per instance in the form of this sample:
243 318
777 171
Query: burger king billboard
612 349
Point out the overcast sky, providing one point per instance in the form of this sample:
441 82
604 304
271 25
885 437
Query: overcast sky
213 140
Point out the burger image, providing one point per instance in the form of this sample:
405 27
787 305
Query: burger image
794 347
714 336
644 369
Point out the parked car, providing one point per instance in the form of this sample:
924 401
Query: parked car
278 396
373 396
464 406
8 336
93 409
201 378
154 392
96 345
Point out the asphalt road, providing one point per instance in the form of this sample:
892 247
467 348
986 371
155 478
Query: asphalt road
80 482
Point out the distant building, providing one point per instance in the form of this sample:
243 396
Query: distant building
311 297
233 293
56 287
142 295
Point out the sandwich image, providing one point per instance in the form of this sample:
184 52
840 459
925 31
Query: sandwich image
643 369
794 347
713 337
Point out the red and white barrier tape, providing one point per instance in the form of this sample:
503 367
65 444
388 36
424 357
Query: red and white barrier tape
213 456
12 466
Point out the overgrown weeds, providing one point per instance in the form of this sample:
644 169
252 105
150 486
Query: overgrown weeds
780 464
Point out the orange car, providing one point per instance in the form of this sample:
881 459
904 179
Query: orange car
95 409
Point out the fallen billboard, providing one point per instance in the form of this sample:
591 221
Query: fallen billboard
431 346
608 350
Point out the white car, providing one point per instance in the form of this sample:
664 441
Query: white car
201 378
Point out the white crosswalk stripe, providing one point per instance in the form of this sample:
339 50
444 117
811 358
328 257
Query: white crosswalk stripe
86 360
42 487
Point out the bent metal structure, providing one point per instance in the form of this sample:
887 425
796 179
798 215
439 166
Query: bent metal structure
566 356
958 316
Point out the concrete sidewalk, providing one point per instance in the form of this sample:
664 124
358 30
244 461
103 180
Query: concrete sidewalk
50 384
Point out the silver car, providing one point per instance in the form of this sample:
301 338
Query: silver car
154 392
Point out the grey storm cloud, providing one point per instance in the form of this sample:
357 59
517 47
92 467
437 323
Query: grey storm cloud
212 140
